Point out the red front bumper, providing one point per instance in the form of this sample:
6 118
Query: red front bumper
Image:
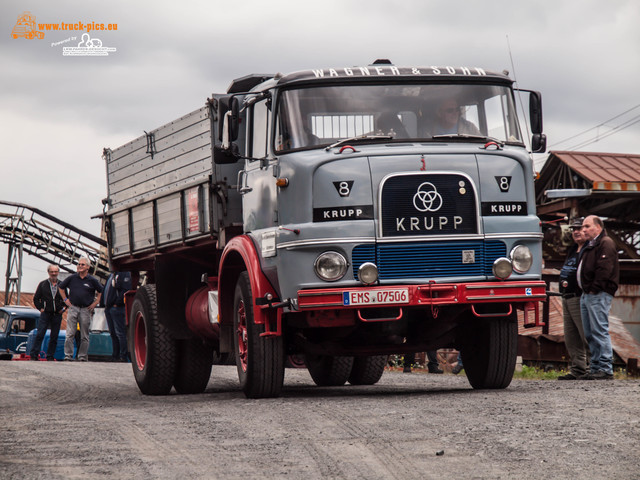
429 294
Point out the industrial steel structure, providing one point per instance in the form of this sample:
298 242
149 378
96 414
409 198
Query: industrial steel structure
30 230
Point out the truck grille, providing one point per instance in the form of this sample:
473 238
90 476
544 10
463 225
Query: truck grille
428 204
429 259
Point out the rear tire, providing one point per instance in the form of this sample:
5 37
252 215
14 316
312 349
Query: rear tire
153 349
367 370
194 366
260 360
490 350
329 371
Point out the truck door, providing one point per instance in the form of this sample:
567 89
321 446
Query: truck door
257 180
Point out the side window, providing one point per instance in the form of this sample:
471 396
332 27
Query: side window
495 117
24 325
470 112
259 129
4 316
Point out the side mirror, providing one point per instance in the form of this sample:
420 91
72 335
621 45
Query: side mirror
234 119
223 155
539 139
228 129
539 143
535 112
228 118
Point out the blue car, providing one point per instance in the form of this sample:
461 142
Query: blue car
15 324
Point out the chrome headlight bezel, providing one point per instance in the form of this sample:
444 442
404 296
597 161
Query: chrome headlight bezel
330 266
502 268
368 273
521 258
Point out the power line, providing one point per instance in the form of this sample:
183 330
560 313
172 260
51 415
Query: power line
598 126
616 129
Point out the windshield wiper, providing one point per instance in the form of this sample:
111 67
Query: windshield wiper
359 139
465 136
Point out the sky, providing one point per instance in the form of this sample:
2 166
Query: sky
58 112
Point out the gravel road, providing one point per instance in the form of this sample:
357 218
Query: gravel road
89 421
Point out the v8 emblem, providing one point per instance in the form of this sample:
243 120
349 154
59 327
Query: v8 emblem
504 183
344 187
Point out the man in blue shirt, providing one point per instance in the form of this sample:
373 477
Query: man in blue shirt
81 300
574 338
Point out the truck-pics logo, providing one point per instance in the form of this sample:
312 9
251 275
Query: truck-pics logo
26 27
427 198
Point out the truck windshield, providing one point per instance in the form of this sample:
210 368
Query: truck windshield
320 116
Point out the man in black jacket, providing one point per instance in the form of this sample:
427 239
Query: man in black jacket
47 299
598 276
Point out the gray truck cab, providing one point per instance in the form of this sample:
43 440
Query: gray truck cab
361 162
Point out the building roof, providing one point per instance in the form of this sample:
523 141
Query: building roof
26 299
604 177
601 167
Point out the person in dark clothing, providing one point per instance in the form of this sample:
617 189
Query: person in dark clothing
432 364
459 366
574 338
47 299
117 285
408 360
83 296
598 277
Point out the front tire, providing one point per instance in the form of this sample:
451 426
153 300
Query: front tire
260 360
329 371
489 353
153 349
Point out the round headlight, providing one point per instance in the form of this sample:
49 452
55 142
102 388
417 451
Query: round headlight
368 273
502 268
521 258
330 266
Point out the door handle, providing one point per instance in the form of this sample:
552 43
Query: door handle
243 186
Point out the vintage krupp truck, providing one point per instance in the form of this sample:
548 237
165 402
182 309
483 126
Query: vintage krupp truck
338 215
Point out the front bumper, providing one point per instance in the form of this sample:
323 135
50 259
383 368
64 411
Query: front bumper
421 295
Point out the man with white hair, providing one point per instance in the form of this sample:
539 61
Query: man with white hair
598 276
81 301
47 299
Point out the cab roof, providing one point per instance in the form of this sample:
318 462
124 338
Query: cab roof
371 73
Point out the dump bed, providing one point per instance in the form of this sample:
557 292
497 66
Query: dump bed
163 187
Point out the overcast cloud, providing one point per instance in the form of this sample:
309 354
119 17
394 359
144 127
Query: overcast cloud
58 112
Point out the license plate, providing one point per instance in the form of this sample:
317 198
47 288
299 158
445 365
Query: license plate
376 297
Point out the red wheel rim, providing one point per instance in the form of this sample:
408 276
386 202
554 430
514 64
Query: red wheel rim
241 333
140 341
